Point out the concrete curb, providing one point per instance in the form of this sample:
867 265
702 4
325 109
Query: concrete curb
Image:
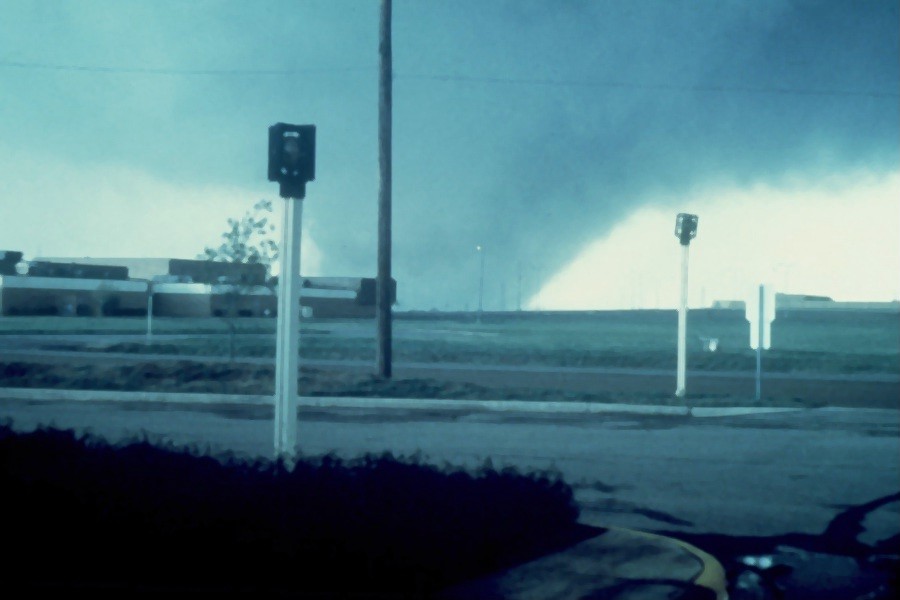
617 563
712 574
50 395
55 395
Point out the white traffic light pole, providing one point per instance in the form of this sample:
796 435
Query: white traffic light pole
287 346
292 163
682 325
685 231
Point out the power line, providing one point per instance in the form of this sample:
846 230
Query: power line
606 84
172 71
651 86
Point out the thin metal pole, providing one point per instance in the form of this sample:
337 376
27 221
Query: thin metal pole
481 283
519 288
287 345
383 280
682 325
759 341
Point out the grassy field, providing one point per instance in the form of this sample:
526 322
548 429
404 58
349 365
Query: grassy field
802 342
812 344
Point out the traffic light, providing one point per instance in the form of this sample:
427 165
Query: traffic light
685 228
292 157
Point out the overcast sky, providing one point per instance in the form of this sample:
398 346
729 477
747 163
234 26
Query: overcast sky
562 136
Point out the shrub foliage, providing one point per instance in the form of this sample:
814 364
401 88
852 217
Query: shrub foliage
141 518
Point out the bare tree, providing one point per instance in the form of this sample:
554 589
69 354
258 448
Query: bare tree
248 240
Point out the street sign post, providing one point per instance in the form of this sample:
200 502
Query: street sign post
292 163
760 312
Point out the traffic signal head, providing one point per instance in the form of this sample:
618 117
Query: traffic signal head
292 157
685 228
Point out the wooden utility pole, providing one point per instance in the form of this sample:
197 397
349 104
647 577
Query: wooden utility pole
383 281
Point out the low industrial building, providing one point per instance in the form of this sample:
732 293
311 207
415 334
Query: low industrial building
187 288
785 303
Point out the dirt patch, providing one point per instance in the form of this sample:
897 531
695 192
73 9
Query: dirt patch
438 351
239 378
190 376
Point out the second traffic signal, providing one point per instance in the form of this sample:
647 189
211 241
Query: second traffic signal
292 157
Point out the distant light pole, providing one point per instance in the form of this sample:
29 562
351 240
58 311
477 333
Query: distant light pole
519 288
480 250
685 231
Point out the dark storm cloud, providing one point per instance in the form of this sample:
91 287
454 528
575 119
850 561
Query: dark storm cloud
528 126
181 89
650 99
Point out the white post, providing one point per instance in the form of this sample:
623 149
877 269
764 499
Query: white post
759 340
287 346
682 324
150 312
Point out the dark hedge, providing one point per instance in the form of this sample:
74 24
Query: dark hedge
140 519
